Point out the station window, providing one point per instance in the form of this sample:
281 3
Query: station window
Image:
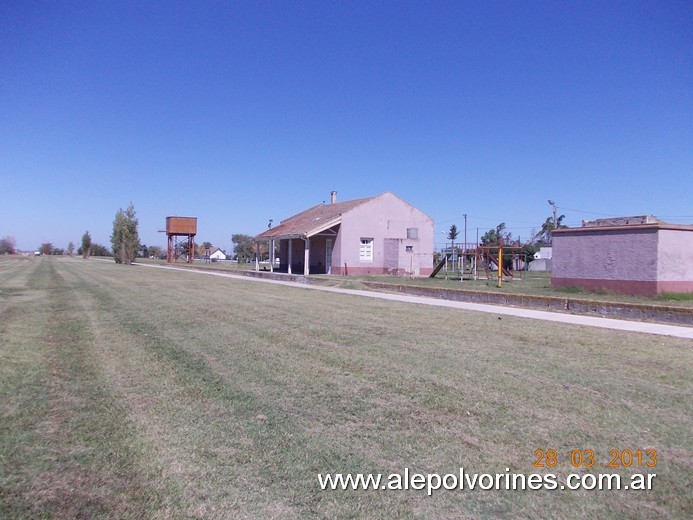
366 250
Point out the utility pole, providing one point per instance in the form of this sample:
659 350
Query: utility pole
464 249
555 221
465 229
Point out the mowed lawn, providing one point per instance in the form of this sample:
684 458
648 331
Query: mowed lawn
131 392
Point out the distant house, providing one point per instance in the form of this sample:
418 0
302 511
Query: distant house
545 253
374 235
630 255
218 254
542 260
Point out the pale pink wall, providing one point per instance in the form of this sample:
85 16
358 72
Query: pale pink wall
675 254
385 216
675 251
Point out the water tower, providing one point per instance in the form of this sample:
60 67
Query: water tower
180 227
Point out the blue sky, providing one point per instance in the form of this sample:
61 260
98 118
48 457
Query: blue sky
241 112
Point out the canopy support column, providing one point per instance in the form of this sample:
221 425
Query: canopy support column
271 255
290 255
306 257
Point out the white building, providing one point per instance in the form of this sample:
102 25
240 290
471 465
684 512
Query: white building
218 254
544 252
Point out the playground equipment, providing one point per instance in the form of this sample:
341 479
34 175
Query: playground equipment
505 263
481 262
440 265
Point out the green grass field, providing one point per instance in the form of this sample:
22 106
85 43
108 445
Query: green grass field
531 283
130 392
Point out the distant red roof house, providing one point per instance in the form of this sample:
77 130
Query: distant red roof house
374 235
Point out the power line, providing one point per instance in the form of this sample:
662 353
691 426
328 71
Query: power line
587 212
479 218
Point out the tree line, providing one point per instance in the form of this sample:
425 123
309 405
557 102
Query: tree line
126 246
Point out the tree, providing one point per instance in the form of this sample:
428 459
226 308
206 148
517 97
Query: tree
453 233
544 236
86 245
7 246
203 248
70 248
492 236
125 240
100 250
529 249
244 247
46 248
156 252
144 251
183 249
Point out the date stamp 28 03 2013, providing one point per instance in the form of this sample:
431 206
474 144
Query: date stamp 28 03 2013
587 458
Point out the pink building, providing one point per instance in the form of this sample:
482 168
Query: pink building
376 235
629 255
